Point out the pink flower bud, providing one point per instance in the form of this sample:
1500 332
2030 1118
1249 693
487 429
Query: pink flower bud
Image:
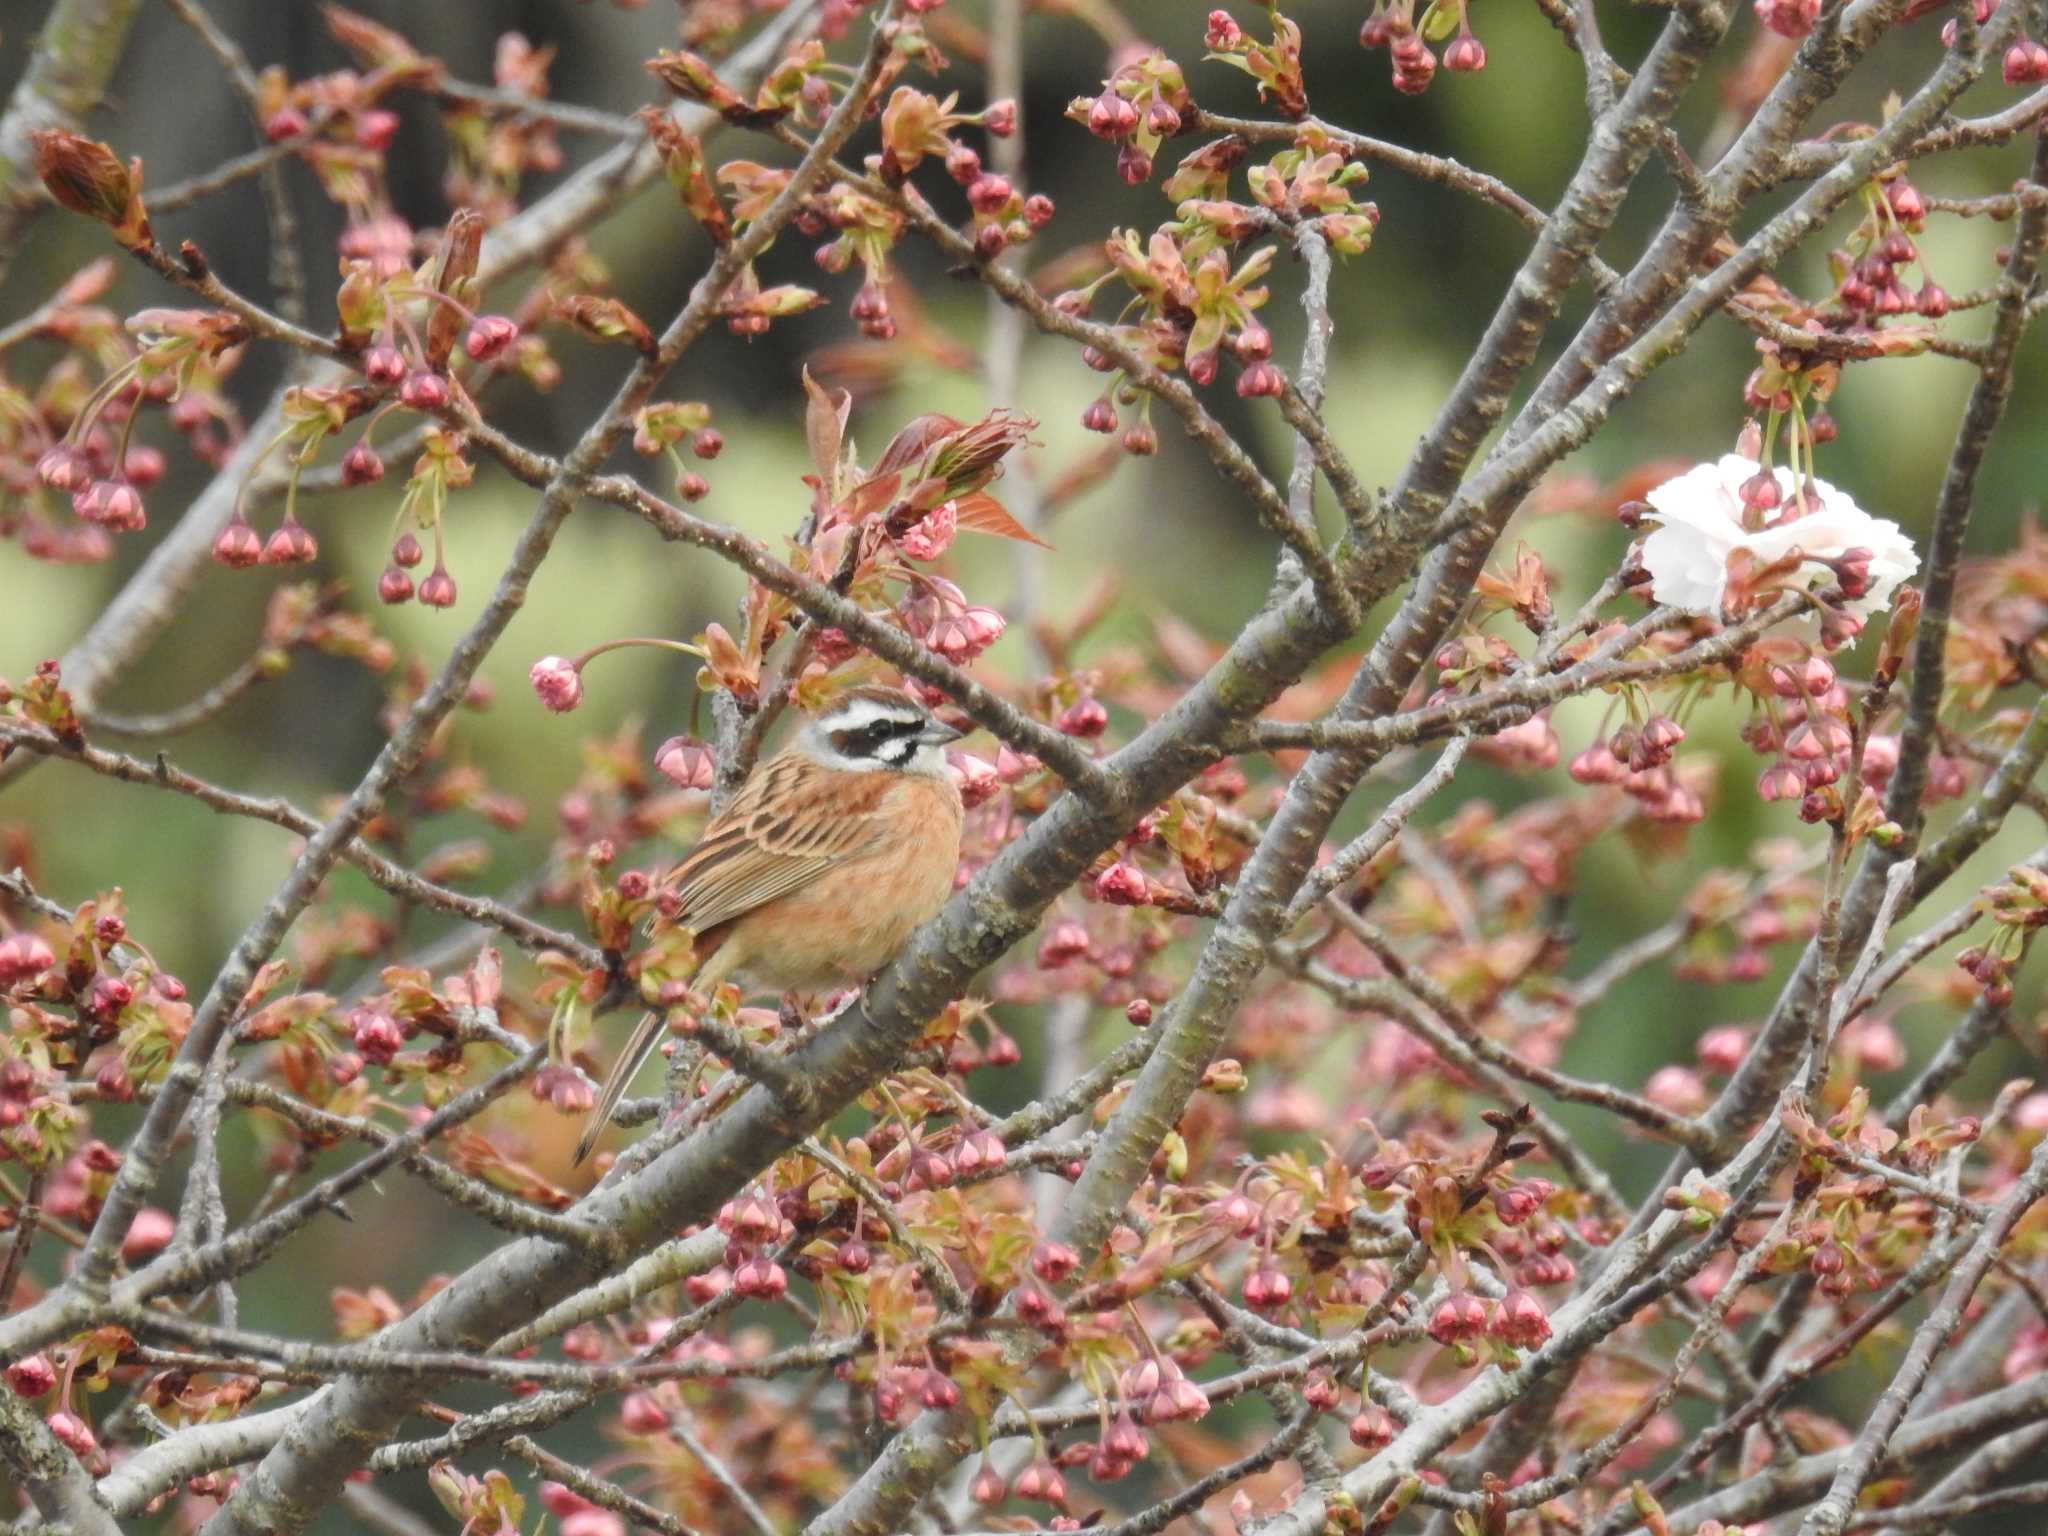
384 364
1261 381
686 763
1677 1089
1721 1050
376 129
361 466
1788 18
62 467
423 390
1085 718
641 1414
32 1376
558 683
989 193
148 1234
1466 55
284 123
1414 65
932 535
963 164
1267 1288
1373 1429
979 1154
1052 1262
1598 765
23 957
438 590
974 777
1761 491
1111 117
1065 942
1519 1319
71 1432
489 337
375 1034
760 1277
394 586
708 1286
1123 884
1041 1482
1039 1309
237 546
1000 118
1038 210
291 544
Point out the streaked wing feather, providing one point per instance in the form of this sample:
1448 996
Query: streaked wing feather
775 838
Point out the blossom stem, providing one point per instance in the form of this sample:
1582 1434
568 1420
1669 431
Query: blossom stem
682 646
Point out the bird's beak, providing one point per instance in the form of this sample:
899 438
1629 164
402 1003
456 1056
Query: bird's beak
939 734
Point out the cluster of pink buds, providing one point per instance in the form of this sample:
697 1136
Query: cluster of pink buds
1637 760
102 474
753 1223
1991 970
23 957
20 1087
975 1155
1160 1392
938 613
1788 18
1142 104
1395 28
1871 285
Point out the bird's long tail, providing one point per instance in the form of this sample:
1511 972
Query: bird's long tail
638 1049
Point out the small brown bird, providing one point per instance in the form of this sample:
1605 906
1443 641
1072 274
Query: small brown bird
822 867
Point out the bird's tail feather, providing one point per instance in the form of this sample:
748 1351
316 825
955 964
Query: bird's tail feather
637 1050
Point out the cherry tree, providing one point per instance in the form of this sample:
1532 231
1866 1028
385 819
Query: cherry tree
1294 1232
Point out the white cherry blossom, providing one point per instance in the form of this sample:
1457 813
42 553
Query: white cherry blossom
1701 513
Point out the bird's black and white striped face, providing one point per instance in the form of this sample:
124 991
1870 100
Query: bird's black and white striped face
870 730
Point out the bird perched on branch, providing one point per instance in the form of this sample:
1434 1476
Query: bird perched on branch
822 867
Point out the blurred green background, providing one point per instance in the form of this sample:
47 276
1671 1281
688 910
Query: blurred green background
1406 315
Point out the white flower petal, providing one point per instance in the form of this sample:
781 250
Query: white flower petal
1701 517
1686 570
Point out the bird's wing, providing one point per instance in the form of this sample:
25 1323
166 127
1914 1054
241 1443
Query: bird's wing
791 822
